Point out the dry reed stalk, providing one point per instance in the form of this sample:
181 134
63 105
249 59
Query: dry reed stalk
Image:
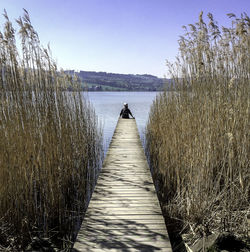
51 145
198 137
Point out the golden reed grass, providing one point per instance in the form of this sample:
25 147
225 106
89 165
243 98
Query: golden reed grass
50 142
198 136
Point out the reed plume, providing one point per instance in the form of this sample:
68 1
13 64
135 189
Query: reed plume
198 136
51 144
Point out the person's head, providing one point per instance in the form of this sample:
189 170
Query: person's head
125 105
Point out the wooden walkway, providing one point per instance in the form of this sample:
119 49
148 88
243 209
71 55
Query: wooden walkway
124 213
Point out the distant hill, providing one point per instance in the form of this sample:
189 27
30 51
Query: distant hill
102 81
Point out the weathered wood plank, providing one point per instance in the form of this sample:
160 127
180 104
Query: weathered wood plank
124 213
123 249
128 217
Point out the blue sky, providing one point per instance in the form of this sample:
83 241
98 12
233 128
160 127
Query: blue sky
120 36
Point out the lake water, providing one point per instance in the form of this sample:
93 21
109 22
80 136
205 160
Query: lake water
108 106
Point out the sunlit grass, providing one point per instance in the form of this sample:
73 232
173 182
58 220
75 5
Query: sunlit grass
50 144
198 137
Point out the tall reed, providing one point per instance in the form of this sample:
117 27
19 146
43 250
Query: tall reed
198 136
50 142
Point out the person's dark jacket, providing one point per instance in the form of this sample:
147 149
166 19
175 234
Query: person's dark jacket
125 112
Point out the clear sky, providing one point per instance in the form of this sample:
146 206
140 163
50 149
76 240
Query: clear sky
120 36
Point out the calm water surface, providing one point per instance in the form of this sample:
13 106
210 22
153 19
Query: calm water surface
109 104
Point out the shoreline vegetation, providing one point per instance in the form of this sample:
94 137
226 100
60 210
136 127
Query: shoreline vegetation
50 147
197 140
102 81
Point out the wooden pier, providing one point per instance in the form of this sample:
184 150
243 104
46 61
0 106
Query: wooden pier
124 213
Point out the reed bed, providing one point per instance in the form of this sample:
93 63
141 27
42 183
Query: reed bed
198 136
50 143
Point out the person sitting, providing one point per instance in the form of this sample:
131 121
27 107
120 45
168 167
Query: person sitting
125 112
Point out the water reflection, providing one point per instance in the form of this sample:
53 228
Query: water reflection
109 104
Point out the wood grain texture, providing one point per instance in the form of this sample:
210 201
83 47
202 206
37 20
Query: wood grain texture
124 213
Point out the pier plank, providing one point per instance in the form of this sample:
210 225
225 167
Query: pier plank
124 213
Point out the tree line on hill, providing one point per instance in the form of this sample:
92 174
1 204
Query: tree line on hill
103 81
